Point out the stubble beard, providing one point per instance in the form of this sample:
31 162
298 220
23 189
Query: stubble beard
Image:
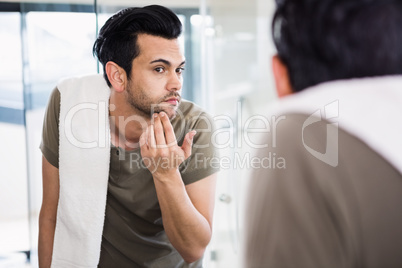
147 108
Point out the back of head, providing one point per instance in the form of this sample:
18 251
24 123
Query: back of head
117 38
325 40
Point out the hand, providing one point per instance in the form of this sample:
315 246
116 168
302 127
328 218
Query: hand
159 149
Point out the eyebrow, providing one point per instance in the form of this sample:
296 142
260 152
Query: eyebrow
166 62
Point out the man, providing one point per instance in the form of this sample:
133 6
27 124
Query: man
137 199
337 201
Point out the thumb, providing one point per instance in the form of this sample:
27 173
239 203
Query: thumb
187 143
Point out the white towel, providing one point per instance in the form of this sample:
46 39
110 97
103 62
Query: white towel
84 170
368 108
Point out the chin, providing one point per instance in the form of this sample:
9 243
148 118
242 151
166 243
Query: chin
171 113
170 110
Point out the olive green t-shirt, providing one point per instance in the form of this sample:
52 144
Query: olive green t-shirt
306 213
133 234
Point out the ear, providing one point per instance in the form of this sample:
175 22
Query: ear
116 75
281 75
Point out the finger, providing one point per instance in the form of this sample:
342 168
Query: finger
168 129
187 143
143 140
158 129
146 136
151 137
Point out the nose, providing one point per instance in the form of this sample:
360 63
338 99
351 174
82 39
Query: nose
175 82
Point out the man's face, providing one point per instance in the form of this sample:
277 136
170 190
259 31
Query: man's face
156 76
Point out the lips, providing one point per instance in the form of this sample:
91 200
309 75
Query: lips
173 101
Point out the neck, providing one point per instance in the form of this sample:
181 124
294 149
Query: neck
126 125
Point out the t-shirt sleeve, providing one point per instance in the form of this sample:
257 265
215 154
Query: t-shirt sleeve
50 133
204 159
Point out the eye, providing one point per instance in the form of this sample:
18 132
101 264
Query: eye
180 70
159 69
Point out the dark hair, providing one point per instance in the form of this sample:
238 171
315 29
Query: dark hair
324 40
117 40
